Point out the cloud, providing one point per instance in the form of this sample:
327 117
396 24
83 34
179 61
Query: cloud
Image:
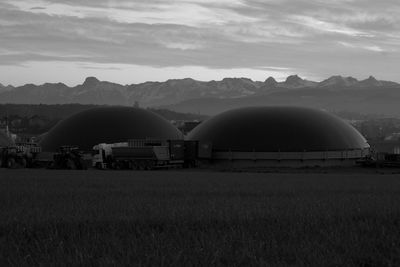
38 8
189 13
323 26
312 37
374 48
368 47
183 46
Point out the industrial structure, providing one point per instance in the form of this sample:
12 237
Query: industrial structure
253 137
108 125
5 140
280 137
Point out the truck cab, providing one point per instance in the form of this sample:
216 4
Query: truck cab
102 154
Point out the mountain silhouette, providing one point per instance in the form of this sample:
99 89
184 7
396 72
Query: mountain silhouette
229 92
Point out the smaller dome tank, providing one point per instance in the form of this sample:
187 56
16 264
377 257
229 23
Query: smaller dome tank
108 125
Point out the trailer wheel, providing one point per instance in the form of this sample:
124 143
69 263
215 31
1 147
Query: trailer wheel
142 165
82 164
147 165
11 163
150 164
135 165
130 165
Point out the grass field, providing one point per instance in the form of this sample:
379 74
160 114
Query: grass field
163 218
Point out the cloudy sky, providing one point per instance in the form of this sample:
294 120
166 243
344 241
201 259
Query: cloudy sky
131 41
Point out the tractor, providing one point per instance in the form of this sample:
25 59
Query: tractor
13 157
69 157
21 155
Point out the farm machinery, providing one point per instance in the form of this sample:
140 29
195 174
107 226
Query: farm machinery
68 157
30 155
21 155
138 154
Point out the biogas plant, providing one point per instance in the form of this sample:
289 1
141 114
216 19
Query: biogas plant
133 138
281 136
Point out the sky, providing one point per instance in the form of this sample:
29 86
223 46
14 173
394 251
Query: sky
133 41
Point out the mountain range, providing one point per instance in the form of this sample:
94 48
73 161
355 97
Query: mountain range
188 95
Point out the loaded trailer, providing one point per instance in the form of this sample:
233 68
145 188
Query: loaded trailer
140 154
381 160
145 154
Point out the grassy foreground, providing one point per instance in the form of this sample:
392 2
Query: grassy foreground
165 218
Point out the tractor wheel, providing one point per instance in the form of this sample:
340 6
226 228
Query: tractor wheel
11 163
50 165
117 165
82 164
23 162
70 164
99 166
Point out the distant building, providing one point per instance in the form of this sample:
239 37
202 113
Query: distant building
5 138
387 146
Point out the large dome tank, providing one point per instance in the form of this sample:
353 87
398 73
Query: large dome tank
278 128
108 125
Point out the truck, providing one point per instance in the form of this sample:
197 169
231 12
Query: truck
139 154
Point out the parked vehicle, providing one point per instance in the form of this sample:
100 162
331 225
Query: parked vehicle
145 154
139 154
381 160
22 155
69 157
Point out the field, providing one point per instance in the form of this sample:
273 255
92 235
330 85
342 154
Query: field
163 218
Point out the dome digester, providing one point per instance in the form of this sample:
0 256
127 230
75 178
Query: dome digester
280 136
108 125
286 129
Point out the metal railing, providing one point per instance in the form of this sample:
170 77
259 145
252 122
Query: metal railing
304 155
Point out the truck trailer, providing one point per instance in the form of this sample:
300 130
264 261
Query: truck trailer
140 154
146 154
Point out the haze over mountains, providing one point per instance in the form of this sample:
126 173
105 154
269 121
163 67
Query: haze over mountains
188 95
